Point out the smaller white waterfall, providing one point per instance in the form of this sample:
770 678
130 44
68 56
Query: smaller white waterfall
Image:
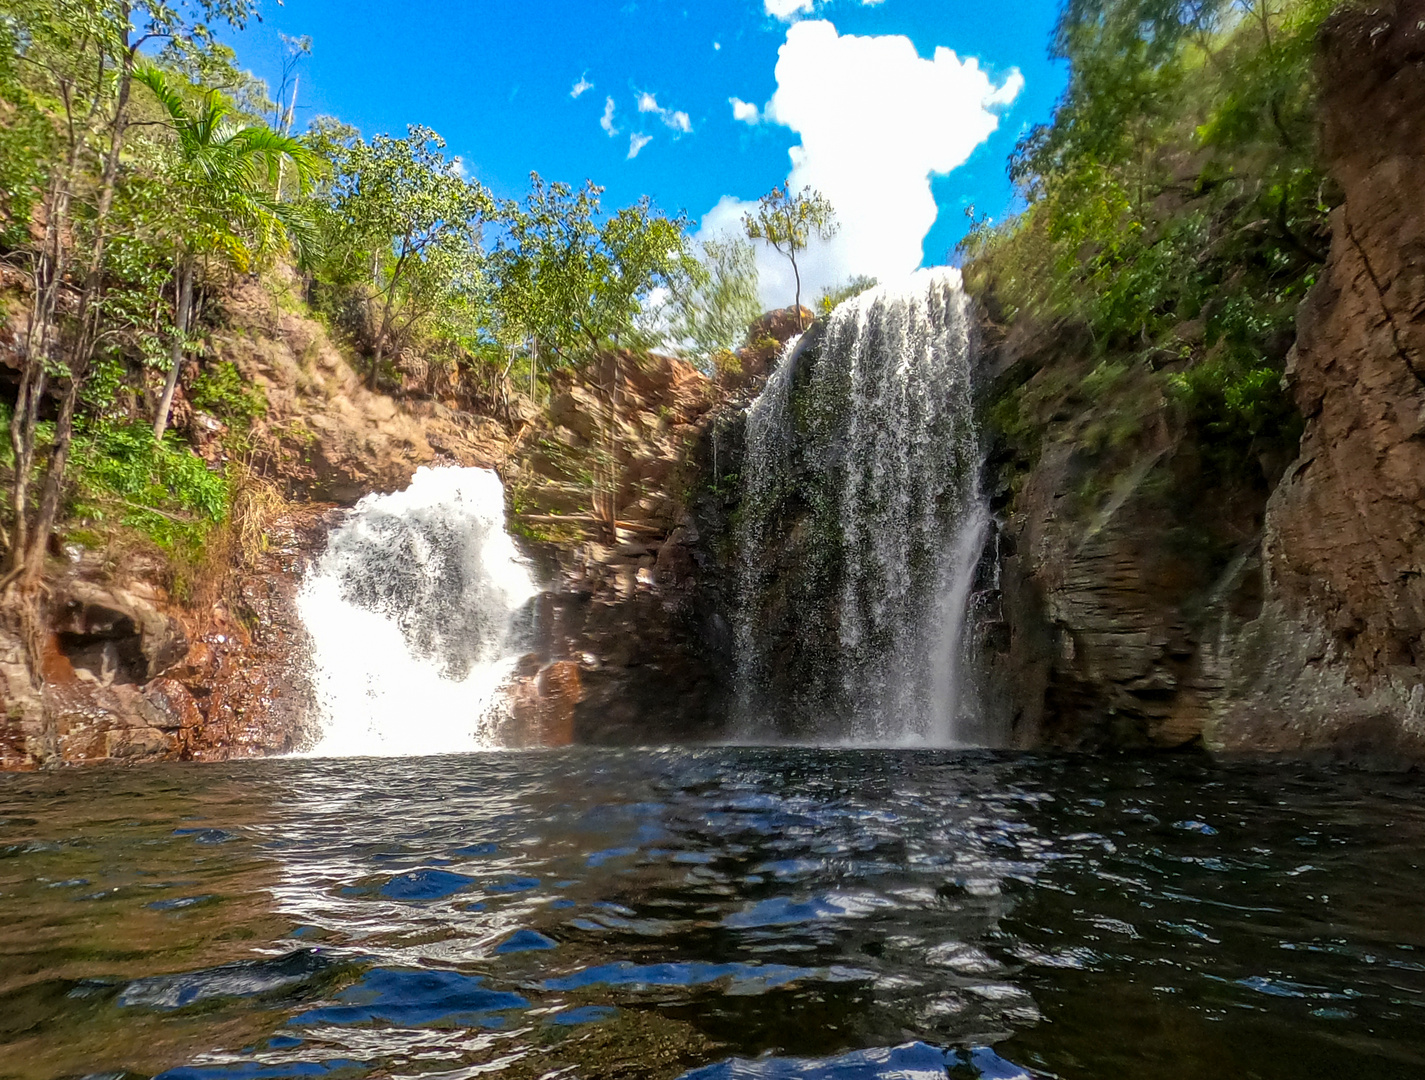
410 612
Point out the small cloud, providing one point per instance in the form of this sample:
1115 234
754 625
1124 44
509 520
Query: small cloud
459 168
673 120
607 123
582 86
787 10
636 143
744 111
717 46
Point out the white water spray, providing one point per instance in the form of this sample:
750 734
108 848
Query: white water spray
410 611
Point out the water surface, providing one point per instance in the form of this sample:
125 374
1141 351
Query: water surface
715 914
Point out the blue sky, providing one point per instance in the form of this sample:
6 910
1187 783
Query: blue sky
874 118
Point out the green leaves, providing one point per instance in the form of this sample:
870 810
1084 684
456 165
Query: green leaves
788 221
713 316
402 229
219 178
1175 205
576 285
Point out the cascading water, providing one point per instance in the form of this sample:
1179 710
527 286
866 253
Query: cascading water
861 525
411 612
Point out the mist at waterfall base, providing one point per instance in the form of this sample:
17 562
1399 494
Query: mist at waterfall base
861 527
411 612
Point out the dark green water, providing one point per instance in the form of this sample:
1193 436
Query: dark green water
714 913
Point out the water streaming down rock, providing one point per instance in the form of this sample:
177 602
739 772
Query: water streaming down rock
411 612
861 526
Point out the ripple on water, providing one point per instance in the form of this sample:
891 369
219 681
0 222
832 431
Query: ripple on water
719 914
425 885
415 999
242 980
913 1061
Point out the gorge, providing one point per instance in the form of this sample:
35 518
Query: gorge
475 636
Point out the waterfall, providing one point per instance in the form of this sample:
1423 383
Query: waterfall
410 611
861 525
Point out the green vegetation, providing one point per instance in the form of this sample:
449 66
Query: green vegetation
222 391
399 233
1176 211
714 314
216 178
831 299
141 170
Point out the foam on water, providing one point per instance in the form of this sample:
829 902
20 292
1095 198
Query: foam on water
410 611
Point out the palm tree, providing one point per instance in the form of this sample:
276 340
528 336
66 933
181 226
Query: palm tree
224 176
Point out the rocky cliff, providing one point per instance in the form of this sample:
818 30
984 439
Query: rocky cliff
1338 653
1146 597
632 639
628 641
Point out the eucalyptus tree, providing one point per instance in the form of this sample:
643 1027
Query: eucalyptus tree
575 282
75 62
402 225
220 179
788 221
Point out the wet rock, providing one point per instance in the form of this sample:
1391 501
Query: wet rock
115 633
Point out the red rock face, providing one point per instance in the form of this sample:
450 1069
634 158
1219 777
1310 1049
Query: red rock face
1349 523
1338 658
542 707
127 675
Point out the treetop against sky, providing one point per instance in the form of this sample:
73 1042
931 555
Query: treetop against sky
902 112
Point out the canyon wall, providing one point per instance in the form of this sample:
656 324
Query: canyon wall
1141 597
1337 656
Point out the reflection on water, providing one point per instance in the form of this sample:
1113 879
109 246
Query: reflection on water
714 914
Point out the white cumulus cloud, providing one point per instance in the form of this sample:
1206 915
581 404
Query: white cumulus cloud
877 121
607 122
787 10
637 142
580 87
744 111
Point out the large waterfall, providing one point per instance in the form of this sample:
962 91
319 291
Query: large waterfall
411 612
861 525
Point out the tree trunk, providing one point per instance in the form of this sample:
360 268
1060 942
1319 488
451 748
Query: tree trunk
374 381
80 345
183 306
54 484
50 269
797 274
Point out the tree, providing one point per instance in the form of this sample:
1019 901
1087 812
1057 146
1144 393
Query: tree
220 180
78 58
399 214
788 222
575 287
713 315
